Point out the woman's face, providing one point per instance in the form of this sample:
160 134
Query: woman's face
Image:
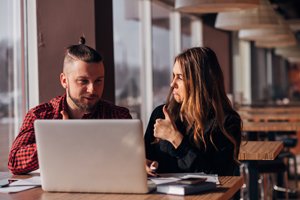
177 83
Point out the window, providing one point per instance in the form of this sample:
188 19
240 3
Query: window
161 60
186 32
126 55
12 73
146 38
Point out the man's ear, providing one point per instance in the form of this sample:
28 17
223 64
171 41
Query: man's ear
63 80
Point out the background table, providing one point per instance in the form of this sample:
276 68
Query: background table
260 150
254 151
270 126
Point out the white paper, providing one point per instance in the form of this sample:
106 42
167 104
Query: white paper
33 181
162 180
209 177
22 184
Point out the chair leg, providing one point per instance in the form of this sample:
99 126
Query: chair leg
295 171
285 189
286 183
261 186
244 192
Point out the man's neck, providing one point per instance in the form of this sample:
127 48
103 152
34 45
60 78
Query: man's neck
75 114
73 111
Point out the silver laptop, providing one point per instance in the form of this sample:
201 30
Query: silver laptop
105 156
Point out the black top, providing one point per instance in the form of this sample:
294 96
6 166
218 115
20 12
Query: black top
189 158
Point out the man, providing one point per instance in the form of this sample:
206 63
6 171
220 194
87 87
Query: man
83 80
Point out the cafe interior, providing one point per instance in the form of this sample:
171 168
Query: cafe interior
256 42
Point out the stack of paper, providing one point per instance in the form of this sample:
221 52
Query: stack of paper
184 189
173 185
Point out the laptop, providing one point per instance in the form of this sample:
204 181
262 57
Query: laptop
101 156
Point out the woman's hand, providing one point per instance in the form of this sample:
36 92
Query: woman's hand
165 129
151 167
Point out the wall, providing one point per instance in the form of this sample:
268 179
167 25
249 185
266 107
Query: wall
105 44
219 42
60 23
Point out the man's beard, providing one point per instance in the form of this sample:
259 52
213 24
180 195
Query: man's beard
82 106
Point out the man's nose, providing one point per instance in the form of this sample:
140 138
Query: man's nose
91 88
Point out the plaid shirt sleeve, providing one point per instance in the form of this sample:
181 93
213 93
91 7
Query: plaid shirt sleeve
23 154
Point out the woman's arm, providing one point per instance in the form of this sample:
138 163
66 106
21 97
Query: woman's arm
219 161
149 134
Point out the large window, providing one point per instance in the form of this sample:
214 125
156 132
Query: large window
161 59
126 55
186 32
12 87
147 36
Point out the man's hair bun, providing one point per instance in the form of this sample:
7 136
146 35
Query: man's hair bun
82 40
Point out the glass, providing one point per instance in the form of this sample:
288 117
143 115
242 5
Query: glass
186 39
161 53
126 55
12 73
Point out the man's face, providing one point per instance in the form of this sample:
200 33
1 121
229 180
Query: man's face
178 84
84 83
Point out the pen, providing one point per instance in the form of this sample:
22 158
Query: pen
4 182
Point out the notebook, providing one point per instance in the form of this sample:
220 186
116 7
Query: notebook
177 188
105 156
185 183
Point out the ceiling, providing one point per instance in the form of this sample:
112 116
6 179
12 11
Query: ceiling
289 9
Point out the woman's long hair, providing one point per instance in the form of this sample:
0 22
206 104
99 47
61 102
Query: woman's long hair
205 94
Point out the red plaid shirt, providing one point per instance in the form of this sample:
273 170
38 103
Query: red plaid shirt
23 153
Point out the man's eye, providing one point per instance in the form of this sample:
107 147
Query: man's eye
83 81
98 81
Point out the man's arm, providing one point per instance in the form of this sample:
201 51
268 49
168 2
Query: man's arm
23 153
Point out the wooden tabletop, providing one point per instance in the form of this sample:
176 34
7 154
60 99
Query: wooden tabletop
229 186
260 150
270 116
273 109
271 126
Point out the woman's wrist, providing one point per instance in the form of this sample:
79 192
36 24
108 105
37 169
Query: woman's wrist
177 139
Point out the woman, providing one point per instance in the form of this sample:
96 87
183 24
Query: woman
197 130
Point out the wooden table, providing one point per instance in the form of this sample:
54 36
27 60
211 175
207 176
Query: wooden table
270 126
273 109
256 117
229 186
254 151
260 150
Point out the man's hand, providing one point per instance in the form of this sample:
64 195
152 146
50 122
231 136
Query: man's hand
64 115
165 129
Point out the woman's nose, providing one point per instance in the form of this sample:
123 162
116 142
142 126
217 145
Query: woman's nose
173 83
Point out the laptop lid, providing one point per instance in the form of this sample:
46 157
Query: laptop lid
106 156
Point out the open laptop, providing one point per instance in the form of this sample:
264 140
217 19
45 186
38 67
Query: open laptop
106 156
